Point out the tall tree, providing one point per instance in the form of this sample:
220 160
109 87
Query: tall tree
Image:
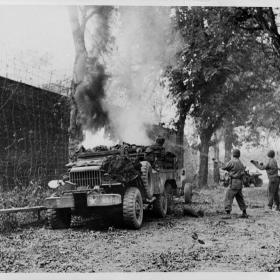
259 85
88 73
258 20
201 71
210 66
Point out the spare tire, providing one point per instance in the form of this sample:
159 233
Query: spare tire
146 176
188 193
259 182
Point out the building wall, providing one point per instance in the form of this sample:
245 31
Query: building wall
33 133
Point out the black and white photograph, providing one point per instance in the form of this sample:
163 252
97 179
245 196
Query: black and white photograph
139 137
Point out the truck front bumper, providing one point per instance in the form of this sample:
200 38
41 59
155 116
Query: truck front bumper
92 200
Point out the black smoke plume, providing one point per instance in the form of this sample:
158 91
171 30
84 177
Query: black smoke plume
90 92
90 95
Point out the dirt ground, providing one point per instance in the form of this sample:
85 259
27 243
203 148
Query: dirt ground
168 244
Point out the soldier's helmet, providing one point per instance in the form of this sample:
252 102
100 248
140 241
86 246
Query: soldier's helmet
236 153
271 154
160 140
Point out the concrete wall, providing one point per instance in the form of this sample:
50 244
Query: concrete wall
33 133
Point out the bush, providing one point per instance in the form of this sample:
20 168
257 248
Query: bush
32 195
8 222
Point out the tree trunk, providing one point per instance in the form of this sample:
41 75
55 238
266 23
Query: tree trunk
216 148
228 138
203 159
83 61
216 171
75 128
79 72
180 140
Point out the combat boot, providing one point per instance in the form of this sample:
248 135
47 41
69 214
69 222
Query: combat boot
227 215
244 215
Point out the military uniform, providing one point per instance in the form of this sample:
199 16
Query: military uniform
236 170
271 168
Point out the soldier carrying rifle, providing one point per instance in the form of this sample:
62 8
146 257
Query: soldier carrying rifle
236 179
236 171
271 168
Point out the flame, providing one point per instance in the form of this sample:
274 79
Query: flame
99 137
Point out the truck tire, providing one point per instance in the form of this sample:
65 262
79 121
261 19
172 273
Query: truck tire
133 208
259 182
188 193
160 205
59 218
146 176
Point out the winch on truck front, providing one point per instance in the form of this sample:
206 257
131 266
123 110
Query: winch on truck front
125 176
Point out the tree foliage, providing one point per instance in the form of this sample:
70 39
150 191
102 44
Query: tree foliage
261 110
220 72
260 20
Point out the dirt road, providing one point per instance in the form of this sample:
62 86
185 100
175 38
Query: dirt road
161 245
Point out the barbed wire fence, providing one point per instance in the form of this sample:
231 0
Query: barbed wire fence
36 69
34 119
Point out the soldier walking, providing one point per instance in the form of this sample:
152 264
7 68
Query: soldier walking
271 168
236 170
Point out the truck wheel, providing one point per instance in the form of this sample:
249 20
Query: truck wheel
188 193
59 218
161 205
133 208
146 176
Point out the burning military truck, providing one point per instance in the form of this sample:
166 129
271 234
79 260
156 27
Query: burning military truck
127 177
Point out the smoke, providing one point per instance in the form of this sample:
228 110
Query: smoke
90 67
89 96
99 29
133 45
144 46
131 123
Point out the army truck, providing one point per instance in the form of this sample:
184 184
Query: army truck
127 177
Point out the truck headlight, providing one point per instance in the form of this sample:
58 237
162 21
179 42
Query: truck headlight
55 184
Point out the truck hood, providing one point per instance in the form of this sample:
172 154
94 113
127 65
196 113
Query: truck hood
97 162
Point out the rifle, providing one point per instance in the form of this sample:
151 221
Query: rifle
259 165
255 162
220 163
225 179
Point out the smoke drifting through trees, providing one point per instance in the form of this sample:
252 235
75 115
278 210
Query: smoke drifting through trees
143 45
89 97
89 70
